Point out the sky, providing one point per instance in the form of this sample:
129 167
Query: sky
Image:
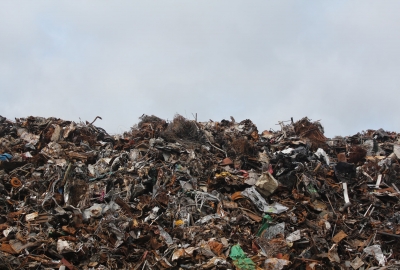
268 61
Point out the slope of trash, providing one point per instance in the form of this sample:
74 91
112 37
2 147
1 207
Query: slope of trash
197 195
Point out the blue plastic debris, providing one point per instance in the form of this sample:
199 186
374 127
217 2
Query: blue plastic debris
5 157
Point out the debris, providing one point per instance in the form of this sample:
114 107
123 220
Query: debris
376 251
240 260
184 194
275 264
294 236
5 157
273 231
266 184
357 263
339 236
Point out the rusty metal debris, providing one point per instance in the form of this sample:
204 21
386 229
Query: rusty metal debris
197 195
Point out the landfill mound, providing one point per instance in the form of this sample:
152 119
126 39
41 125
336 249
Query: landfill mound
197 195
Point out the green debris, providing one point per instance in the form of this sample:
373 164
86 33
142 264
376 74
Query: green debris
265 224
311 189
240 260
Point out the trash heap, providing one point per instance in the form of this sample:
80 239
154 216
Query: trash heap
197 195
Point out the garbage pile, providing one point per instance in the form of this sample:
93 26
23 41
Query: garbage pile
197 195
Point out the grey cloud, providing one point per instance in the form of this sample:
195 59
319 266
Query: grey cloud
265 61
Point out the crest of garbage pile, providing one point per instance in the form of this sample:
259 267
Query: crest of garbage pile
196 195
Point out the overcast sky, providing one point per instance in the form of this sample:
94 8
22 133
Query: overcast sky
338 61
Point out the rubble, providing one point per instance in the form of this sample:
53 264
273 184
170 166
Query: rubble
197 195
